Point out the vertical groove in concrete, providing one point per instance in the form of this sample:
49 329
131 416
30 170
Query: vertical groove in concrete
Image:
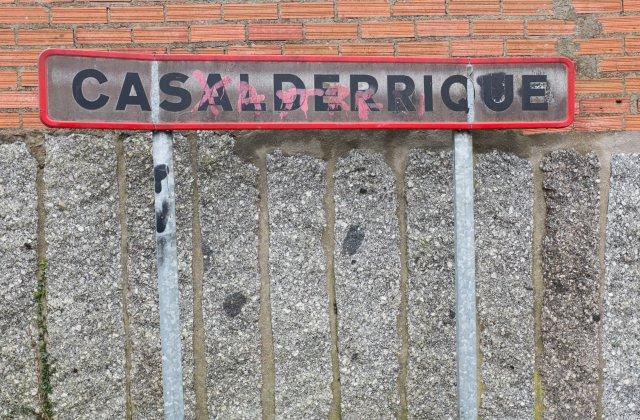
503 208
431 380
197 274
621 335
268 396
86 334
367 265
399 166
229 216
299 299
20 331
539 231
329 250
605 185
124 263
570 312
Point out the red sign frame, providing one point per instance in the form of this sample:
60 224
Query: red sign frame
42 72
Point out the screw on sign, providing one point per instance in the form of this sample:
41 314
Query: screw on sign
91 89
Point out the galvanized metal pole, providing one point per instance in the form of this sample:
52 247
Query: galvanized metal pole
465 267
167 261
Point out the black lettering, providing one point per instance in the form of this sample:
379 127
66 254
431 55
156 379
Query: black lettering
132 80
278 81
496 90
428 93
76 87
400 99
445 92
221 97
257 106
529 92
183 94
318 83
372 84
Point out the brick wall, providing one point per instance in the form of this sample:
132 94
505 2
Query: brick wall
603 37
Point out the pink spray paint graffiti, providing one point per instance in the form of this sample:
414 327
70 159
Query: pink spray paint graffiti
363 107
208 92
289 96
248 95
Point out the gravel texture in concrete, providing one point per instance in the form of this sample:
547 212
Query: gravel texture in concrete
504 224
367 270
431 381
570 313
621 342
299 299
85 315
18 332
231 284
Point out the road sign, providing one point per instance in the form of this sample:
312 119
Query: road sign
90 89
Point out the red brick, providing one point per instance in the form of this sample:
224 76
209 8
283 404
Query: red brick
32 120
622 64
310 49
7 37
29 79
141 50
387 30
331 30
268 49
359 8
220 32
418 7
620 24
8 79
604 106
474 7
250 11
632 5
366 49
632 122
632 84
587 86
443 28
477 48
190 12
602 123
210 51
137 14
599 46
19 57
498 27
307 10
528 47
434 48
23 15
90 36
45 37
526 7
79 15
22 99
551 27
597 6
275 32
159 35
632 44
9 120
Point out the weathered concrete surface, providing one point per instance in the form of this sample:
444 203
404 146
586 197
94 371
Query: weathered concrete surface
621 342
570 313
299 299
431 381
18 333
231 285
85 318
504 224
367 269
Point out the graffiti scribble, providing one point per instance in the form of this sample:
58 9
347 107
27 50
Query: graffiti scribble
208 92
363 107
248 95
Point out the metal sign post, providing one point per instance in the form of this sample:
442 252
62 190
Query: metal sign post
466 343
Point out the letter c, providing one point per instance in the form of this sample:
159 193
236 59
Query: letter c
77 89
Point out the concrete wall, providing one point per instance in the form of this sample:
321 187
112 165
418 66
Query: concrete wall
316 275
